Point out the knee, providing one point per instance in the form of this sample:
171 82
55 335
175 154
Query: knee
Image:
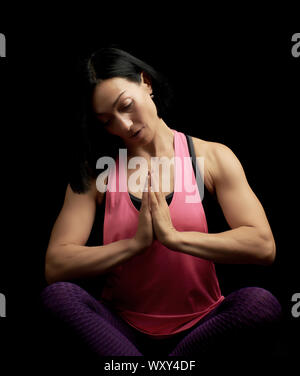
263 304
59 294
57 289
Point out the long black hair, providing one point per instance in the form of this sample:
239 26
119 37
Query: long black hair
92 140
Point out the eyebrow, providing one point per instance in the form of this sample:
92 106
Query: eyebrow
115 102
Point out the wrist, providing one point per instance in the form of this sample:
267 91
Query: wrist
136 246
173 240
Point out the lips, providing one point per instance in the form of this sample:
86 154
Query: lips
136 133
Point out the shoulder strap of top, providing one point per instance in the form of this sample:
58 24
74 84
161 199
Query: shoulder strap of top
197 173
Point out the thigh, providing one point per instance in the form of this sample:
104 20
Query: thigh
71 304
252 307
244 316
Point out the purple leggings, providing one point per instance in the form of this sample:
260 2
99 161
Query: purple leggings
243 321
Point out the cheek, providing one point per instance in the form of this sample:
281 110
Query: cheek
114 130
146 108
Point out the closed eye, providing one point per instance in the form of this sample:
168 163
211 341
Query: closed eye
127 106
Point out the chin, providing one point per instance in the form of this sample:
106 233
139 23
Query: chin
147 137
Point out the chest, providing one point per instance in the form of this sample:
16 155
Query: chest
163 171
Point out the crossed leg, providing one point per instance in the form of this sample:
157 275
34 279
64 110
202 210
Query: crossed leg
100 329
243 314
247 317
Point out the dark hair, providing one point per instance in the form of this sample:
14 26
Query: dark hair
92 140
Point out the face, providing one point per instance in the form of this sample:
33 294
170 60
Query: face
126 109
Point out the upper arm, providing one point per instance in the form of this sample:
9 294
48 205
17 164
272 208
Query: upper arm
239 204
76 218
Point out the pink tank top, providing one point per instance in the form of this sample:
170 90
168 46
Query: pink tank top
160 292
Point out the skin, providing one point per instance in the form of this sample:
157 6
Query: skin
250 239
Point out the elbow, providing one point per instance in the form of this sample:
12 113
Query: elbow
49 274
51 270
268 251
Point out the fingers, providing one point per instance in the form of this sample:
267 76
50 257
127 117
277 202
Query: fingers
152 197
149 190
145 199
157 198
159 195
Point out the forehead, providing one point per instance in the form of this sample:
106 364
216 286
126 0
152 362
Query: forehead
107 91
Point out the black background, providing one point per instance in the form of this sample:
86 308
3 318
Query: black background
235 82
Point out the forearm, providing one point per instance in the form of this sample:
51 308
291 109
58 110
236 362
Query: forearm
72 261
242 245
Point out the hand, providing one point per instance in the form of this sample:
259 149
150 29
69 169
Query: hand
161 219
144 233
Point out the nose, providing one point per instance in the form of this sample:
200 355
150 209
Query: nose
126 122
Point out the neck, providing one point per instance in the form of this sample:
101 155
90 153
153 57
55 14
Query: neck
160 145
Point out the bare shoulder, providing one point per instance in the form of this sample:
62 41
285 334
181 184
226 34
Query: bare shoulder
215 156
209 148
91 194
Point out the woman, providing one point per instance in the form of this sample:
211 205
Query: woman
161 294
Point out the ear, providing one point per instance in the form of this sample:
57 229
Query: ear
146 80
